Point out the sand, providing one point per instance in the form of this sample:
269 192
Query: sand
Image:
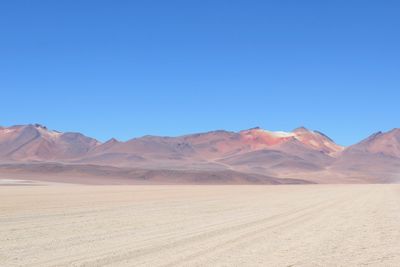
298 225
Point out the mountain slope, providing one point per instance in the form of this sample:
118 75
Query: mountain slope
387 144
377 155
213 147
302 154
37 143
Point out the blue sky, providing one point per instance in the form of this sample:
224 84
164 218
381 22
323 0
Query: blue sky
129 68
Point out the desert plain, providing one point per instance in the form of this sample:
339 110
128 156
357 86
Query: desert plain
49 224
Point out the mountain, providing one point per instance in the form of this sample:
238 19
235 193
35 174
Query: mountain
250 156
212 147
378 155
311 140
37 143
386 144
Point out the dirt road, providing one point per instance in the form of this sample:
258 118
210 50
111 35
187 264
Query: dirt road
304 225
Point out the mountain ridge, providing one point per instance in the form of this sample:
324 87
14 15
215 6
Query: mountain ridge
299 154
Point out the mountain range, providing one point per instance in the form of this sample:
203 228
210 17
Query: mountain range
253 156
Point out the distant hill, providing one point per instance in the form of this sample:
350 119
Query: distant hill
250 156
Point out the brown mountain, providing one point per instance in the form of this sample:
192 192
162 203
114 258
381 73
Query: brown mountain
213 147
378 156
255 154
37 143
386 144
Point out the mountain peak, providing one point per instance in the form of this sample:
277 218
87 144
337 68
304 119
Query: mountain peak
40 126
373 136
301 129
254 128
383 143
111 141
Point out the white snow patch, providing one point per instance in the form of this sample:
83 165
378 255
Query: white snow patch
279 133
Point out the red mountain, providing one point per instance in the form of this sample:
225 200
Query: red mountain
303 154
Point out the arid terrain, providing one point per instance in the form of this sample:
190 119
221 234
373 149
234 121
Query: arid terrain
199 225
252 156
248 198
199 133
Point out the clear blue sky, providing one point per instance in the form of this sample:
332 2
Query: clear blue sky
129 68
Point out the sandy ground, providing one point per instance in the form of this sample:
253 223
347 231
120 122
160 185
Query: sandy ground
305 225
